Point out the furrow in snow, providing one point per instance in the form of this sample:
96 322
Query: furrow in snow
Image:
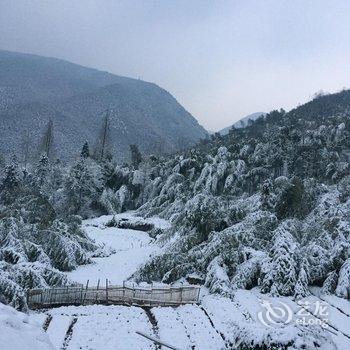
171 328
203 335
58 328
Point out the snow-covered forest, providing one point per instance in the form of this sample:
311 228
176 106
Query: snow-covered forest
267 206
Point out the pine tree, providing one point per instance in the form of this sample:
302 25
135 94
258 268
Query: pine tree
85 152
80 187
42 170
301 287
10 183
282 272
268 198
291 201
136 157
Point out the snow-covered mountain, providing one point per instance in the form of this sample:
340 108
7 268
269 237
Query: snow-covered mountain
242 122
35 89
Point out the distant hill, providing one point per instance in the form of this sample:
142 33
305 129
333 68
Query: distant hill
36 89
242 122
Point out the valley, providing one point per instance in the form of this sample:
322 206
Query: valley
216 323
174 175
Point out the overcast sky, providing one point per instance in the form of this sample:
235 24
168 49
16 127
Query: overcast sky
220 59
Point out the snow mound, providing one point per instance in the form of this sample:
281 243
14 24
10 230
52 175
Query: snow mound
19 332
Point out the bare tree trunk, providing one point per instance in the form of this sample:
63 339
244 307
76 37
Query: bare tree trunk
47 140
25 149
105 130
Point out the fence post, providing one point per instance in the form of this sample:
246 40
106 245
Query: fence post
98 285
86 288
123 298
198 294
106 286
81 294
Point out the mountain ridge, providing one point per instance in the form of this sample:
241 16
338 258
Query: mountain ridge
243 122
36 89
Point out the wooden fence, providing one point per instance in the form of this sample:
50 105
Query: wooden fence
126 294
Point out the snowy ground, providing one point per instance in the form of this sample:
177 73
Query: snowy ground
132 247
216 323
19 331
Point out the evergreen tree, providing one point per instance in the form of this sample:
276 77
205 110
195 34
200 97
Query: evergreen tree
10 183
80 187
295 200
136 157
282 272
42 170
268 197
85 151
301 286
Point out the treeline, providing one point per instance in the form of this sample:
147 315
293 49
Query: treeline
101 148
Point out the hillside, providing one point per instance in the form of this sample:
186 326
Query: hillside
35 89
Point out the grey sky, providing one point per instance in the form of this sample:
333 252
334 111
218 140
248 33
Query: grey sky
220 59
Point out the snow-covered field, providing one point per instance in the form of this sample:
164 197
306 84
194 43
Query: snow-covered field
217 323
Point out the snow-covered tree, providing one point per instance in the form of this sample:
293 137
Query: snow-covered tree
10 182
80 187
282 275
330 283
85 151
301 286
343 286
136 157
42 171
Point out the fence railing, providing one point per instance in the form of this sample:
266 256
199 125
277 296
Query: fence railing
127 294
